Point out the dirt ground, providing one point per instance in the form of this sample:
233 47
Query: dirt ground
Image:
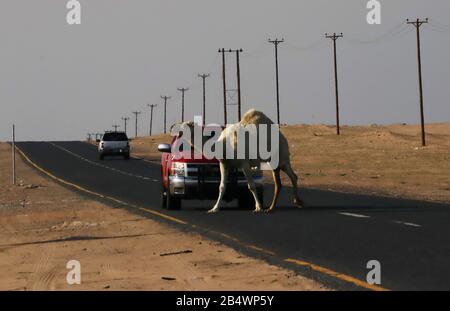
383 160
44 225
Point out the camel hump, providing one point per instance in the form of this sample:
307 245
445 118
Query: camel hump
254 116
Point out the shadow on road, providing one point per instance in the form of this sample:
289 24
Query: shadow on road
315 199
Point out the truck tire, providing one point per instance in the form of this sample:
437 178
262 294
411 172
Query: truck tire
163 197
126 156
172 203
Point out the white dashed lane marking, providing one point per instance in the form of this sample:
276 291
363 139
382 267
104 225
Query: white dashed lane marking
354 215
410 224
399 222
101 165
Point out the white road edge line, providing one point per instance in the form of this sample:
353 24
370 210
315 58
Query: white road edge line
98 164
354 215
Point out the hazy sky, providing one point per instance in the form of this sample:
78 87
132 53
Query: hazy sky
59 81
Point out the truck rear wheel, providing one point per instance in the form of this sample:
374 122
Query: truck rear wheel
172 203
163 197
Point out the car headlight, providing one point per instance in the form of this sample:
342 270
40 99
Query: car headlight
178 168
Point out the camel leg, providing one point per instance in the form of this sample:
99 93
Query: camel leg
222 187
276 193
252 187
293 177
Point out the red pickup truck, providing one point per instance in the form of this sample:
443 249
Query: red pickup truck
185 177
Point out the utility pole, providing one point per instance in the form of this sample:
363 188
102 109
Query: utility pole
224 81
13 154
182 90
89 136
334 37
275 43
418 23
165 110
151 118
125 120
204 76
238 73
115 126
136 113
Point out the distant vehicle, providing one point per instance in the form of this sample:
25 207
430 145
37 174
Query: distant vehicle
189 178
114 143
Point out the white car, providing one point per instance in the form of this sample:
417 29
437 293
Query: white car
114 143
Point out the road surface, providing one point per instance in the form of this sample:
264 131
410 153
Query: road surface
330 240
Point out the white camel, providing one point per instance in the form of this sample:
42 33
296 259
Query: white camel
229 138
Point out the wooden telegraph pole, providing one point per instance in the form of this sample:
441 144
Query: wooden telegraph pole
182 90
334 37
165 98
418 23
151 117
136 113
204 76
275 43
224 87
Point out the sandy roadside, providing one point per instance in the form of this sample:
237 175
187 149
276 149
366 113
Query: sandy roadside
380 160
44 225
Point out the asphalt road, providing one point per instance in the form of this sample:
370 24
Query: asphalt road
337 233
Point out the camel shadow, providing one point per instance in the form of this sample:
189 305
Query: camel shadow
316 199
326 200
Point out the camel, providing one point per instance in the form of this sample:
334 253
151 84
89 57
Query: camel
229 138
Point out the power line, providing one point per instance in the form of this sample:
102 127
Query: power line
438 24
393 33
334 37
309 47
417 24
275 43
438 28
260 51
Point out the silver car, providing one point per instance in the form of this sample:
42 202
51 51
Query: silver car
114 143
